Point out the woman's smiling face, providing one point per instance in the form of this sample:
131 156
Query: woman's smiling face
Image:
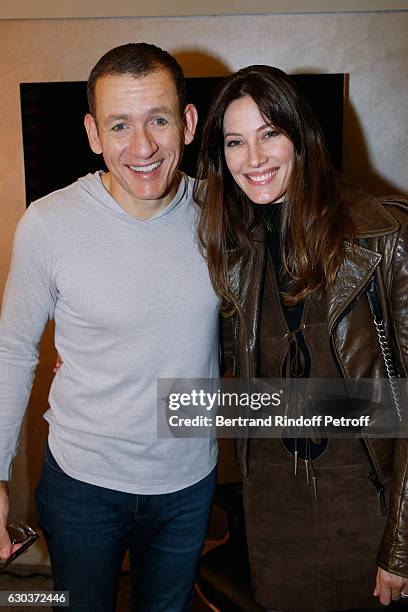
259 157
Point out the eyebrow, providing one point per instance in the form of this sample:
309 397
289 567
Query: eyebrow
262 127
112 118
151 111
159 110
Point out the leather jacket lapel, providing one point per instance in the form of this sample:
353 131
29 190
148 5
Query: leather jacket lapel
246 281
353 276
370 220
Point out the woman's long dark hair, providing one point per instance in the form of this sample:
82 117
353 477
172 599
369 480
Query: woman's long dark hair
314 217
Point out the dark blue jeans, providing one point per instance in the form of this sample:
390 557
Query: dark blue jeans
88 530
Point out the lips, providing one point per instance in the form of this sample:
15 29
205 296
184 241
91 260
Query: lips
146 169
262 177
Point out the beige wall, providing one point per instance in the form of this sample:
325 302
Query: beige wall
371 47
27 9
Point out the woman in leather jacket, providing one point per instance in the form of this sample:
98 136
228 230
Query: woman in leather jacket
292 252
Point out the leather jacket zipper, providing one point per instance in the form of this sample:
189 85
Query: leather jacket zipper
373 478
373 475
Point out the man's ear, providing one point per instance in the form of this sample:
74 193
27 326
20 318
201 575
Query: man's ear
92 131
190 123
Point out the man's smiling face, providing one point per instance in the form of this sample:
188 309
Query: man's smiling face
141 133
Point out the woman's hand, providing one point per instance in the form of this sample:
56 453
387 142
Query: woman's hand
388 586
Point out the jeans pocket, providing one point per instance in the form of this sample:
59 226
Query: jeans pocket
51 462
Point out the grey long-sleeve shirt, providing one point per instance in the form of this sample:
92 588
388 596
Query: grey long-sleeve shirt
132 302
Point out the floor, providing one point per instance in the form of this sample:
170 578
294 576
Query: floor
33 578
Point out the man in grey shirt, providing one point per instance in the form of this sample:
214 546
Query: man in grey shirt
113 260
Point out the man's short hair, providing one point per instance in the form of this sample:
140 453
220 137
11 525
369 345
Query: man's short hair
137 60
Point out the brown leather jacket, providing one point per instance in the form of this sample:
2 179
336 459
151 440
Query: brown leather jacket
381 249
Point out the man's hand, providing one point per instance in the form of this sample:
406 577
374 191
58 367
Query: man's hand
58 363
388 586
5 545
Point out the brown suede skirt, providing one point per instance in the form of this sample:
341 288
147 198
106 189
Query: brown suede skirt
311 554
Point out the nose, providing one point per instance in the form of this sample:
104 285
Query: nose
257 156
142 144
